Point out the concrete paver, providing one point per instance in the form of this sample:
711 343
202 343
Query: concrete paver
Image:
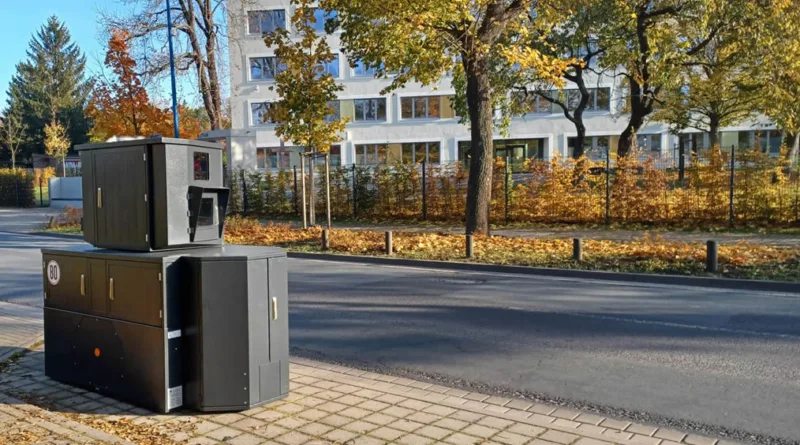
31 405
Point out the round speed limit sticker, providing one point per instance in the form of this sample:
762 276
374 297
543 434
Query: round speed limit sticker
53 273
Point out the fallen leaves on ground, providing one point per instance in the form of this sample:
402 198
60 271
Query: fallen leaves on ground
649 254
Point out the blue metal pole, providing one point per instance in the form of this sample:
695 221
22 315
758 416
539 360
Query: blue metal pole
172 74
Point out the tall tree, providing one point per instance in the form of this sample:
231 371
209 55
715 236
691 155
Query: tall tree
121 105
650 40
716 88
575 38
303 114
12 131
199 26
50 87
424 39
776 43
716 91
57 143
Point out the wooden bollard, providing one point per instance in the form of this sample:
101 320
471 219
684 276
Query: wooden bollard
712 262
389 243
325 239
577 249
470 246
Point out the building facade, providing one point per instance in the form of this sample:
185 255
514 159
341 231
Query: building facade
418 122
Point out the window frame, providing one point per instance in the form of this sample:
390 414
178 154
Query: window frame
363 118
248 31
276 68
252 121
414 98
413 146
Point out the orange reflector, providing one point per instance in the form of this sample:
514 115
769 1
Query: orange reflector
97 352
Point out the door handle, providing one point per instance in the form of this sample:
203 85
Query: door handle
274 308
99 198
83 286
110 288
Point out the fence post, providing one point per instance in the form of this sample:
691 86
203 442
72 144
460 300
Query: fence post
296 209
244 194
470 246
328 187
577 249
505 185
731 215
608 185
424 192
681 160
712 264
389 247
355 196
303 184
325 239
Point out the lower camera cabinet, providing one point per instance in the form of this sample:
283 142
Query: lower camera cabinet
108 327
206 328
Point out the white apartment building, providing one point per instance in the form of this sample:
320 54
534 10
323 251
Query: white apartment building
417 122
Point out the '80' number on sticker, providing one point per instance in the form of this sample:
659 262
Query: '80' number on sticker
53 273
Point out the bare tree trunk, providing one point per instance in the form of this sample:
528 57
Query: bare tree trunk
627 140
479 186
795 148
713 131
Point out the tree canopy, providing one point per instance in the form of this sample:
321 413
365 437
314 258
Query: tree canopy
50 86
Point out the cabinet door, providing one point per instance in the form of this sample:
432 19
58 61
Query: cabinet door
122 211
135 292
88 188
66 281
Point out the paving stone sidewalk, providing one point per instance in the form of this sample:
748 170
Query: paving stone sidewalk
20 327
327 405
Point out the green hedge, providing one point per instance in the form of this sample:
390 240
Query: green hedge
16 188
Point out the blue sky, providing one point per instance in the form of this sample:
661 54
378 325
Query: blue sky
24 18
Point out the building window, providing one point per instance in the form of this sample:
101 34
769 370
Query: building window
273 158
259 22
602 99
423 107
370 109
360 69
599 99
371 154
651 142
331 67
335 153
260 113
320 17
265 68
336 111
417 152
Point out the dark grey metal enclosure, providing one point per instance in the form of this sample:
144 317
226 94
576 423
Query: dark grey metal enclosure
152 194
204 328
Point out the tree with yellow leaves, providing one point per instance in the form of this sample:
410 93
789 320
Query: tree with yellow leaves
422 40
57 143
303 115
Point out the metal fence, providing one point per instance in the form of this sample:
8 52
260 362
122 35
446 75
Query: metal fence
712 187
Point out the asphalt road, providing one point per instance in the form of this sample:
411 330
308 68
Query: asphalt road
712 360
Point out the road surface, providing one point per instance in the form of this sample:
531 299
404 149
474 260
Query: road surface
712 360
